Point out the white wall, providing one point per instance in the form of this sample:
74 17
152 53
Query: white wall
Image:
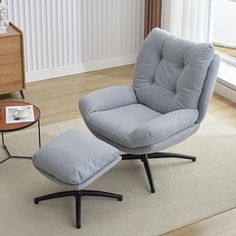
71 36
225 22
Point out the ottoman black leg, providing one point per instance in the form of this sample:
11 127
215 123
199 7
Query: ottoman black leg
55 195
78 210
78 194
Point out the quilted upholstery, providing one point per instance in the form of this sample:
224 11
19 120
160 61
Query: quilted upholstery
170 72
173 83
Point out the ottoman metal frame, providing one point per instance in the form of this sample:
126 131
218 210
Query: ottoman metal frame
78 194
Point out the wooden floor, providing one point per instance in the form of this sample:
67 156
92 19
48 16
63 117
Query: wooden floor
223 224
58 101
58 98
220 225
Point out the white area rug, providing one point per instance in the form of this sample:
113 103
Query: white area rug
186 191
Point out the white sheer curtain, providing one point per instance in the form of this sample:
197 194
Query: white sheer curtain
188 19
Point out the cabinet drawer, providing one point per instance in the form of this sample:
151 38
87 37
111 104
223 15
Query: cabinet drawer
11 77
10 60
10 47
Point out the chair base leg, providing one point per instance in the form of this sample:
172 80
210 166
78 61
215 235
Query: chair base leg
78 194
145 161
161 155
158 155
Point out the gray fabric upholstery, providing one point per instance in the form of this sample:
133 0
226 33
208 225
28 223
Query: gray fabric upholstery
137 125
75 159
119 124
208 88
173 84
170 72
107 98
174 139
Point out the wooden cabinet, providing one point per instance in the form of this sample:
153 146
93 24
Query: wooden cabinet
12 71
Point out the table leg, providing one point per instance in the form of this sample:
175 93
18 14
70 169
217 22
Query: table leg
3 143
39 133
22 94
5 148
8 153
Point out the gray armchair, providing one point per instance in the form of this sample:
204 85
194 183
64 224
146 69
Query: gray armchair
173 84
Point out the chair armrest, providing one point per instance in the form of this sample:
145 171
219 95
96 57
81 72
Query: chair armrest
164 126
106 99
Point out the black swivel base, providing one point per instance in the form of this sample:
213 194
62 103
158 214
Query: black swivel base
158 155
78 194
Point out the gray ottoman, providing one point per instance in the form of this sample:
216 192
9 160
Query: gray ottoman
75 160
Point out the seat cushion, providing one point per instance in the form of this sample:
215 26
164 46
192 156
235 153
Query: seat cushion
118 124
170 72
75 159
137 125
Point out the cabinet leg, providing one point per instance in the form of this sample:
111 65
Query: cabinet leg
22 94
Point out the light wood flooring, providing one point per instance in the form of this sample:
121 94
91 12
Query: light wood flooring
58 101
223 224
58 98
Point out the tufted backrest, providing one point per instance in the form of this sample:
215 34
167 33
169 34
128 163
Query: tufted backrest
170 72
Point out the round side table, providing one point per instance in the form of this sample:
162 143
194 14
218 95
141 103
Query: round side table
4 127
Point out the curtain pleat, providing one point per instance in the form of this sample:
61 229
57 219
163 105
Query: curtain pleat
187 18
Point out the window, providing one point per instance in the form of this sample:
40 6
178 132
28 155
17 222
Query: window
223 36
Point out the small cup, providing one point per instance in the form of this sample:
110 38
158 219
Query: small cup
22 111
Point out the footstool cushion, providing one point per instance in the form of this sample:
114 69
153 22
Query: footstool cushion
75 159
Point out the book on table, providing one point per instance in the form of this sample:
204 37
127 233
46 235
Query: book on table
19 114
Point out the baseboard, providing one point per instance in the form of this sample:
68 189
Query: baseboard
80 68
225 91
